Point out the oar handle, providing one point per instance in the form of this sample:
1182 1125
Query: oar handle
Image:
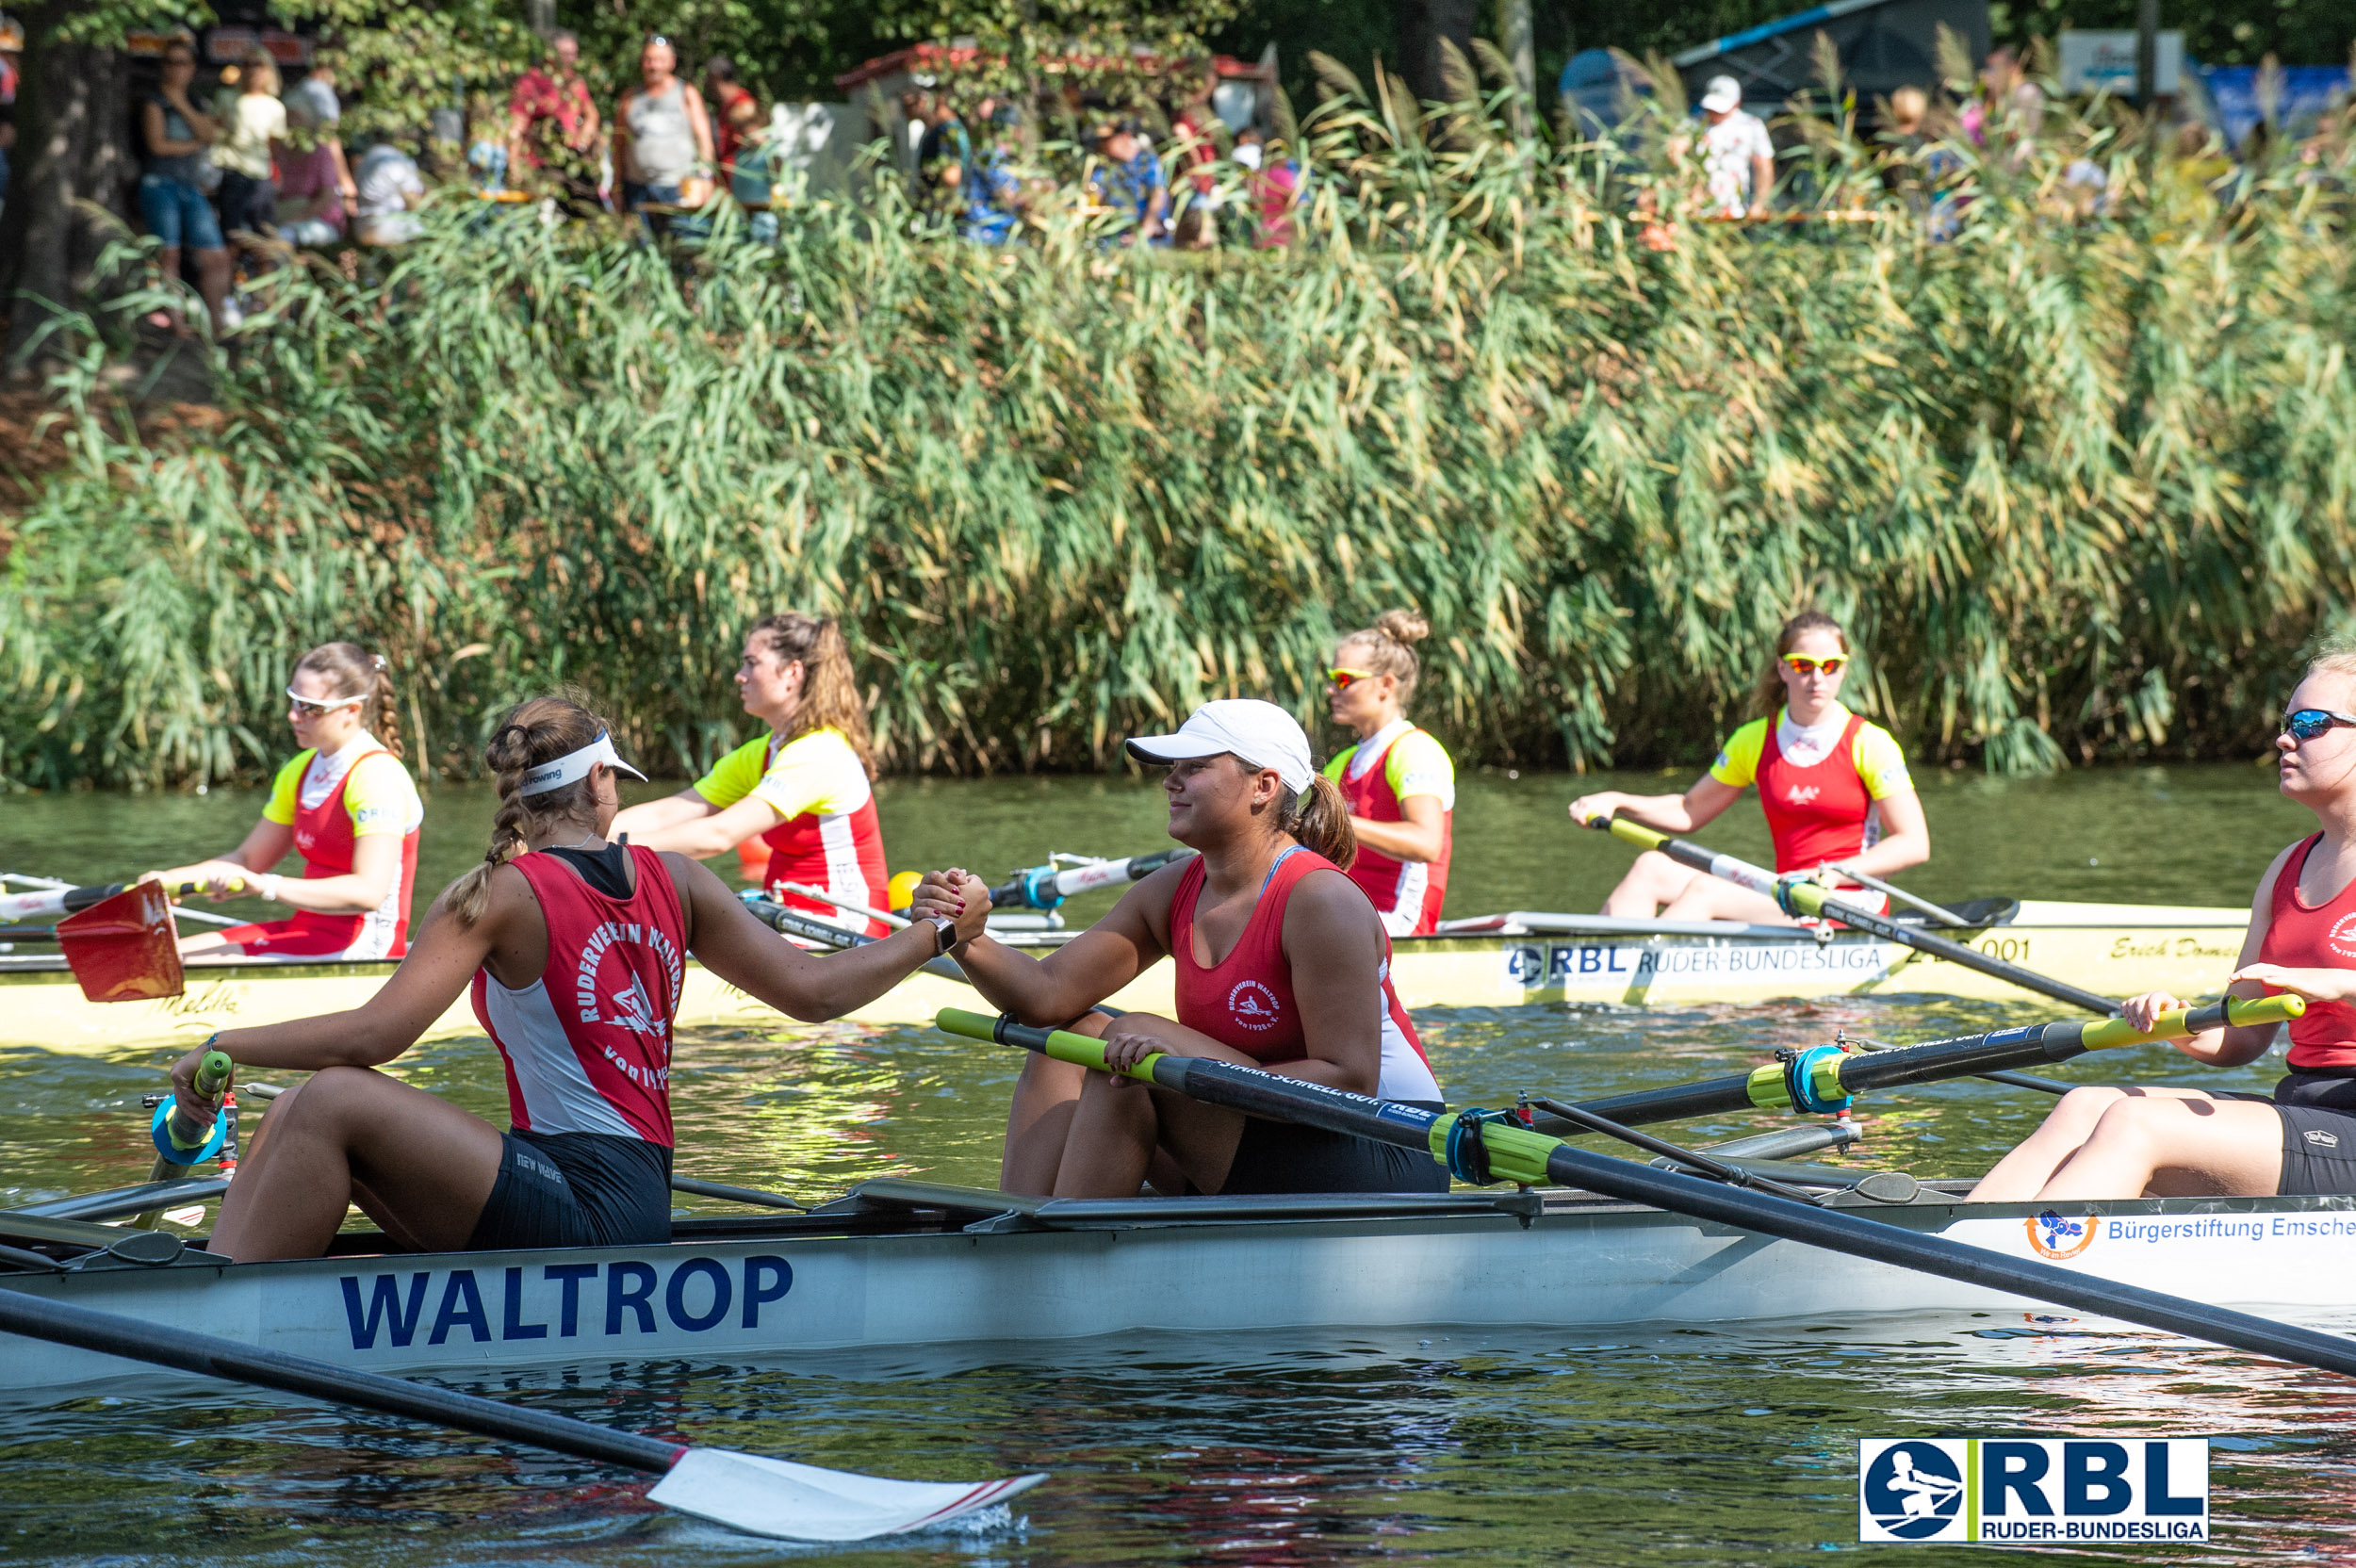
185 890
2184 1022
1062 1044
1628 830
212 1077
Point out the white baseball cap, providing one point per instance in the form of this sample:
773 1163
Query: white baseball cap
1260 734
1723 93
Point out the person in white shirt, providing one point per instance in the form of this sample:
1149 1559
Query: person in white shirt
390 188
1738 159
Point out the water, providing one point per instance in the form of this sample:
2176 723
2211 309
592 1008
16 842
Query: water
1717 1445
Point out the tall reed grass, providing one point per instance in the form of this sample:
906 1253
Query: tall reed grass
2081 484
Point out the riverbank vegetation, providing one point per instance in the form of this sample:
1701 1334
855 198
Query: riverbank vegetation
2080 474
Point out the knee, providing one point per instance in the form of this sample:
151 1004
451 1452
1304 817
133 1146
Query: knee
2084 1106
2126 1122
332 1095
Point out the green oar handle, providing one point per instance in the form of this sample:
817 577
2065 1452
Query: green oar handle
212 1077
1800 896
1062 1044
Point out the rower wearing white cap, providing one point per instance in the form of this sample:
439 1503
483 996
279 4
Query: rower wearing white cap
1282 963
1738 156
573 949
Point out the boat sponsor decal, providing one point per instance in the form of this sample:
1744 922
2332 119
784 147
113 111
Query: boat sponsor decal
2224 945
2052 1236
1562 965
2055 1490
563 1300
1252 1005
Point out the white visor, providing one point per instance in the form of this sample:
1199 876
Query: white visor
575 766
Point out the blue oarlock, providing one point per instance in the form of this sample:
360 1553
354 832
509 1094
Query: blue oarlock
160 1130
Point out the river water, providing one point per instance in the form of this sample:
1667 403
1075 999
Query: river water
1711 1446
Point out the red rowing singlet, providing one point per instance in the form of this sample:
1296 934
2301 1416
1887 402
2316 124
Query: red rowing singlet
588 1044
2323 936
1407 894
1817 814
1245 1001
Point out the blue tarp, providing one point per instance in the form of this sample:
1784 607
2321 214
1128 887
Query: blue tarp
2309 92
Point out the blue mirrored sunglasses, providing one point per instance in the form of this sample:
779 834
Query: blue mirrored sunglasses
2308 722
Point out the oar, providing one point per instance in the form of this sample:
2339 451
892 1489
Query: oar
1798 896
1823 1078
1045 887
746 1491
182 1141
122 947
47 902
792 923
1495 1150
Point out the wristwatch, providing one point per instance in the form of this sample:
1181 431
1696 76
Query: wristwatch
948 930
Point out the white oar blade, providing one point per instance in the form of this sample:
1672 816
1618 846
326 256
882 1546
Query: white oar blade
801 1502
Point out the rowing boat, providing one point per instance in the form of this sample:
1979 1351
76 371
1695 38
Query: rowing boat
897 1265
1489 961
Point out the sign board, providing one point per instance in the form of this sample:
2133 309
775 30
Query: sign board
2105 62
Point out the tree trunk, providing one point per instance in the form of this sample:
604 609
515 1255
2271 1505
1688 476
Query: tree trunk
1422 24
1515 37
72 146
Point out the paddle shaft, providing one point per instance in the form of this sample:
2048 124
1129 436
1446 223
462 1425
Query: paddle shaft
1045 887
47 902
1799 897
1963 1057
63 1323
1516 1154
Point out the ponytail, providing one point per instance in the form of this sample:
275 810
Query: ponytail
352 671
831 698
1319 821
537 730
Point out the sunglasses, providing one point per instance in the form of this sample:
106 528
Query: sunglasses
2308 722
1801 665
319 709
1341 680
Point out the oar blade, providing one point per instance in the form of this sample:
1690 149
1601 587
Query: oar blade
802 1502
125 948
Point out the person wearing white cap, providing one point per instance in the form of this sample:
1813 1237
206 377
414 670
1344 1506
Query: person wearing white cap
573 949
1737 157
1282 963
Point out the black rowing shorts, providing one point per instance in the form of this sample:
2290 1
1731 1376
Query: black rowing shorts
577 1189
1276 1156
2318 1151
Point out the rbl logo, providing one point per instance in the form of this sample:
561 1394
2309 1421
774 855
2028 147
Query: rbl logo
2060 1490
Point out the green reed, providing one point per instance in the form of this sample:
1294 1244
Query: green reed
2081 485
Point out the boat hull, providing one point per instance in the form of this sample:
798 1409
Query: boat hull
1072 1271
2120 950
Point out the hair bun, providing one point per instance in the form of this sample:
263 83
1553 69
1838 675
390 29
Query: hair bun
378 659
1403 626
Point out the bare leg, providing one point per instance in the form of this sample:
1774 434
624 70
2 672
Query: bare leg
212 281
1708 898
421 1166
168 259
2020 1175
2180 1146
208 942
1651 882
1038 1118
1121 1125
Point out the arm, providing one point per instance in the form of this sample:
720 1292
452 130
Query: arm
621 137
2239 1045
700 122
1762 183
701 833
587 135
1690 812
1422 835
805 985
264 847
1906 837
1334 946
343 168
152 123
1086 970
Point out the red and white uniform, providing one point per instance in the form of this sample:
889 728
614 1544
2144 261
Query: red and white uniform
2322 935
1821 786
1394 764
827 834
588 1044
1245 1001
331 803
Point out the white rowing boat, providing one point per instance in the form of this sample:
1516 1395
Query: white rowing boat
898 1265
1498 960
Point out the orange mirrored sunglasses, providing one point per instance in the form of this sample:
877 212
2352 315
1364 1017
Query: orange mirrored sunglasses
1340 680
1802 664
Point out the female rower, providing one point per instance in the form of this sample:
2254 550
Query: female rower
572 947
347 805
1399 783
1834 787
797 802
2168 1142
1281 963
